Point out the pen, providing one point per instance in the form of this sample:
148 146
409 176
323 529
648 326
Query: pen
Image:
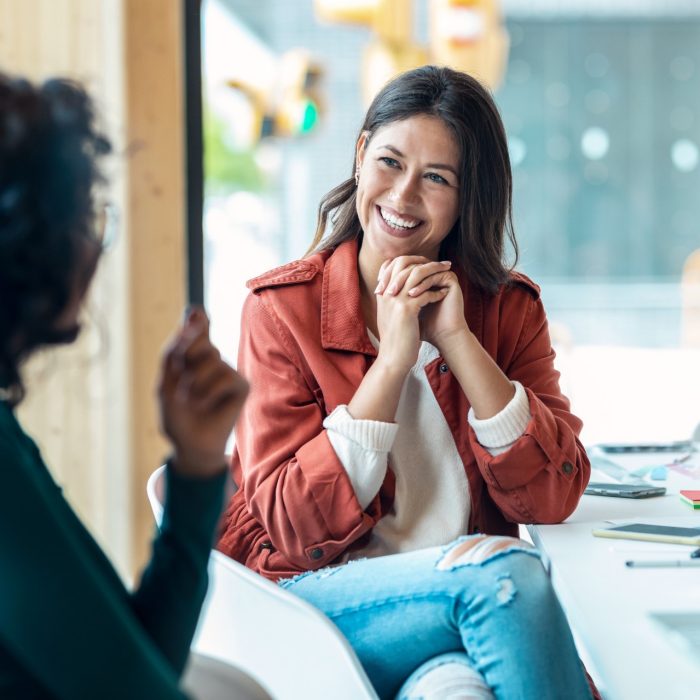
661 563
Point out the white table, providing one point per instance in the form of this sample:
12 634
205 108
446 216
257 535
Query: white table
608 604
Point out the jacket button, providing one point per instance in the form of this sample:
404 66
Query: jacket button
567 467
266 545
444 369
316 553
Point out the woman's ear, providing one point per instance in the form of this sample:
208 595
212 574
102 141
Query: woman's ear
360 149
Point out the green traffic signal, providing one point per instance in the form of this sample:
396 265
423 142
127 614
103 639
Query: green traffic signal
309 118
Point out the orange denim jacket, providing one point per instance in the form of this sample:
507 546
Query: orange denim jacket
304 349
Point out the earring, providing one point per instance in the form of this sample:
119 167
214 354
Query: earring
357 176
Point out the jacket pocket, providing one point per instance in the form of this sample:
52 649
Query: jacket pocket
274 566
240 530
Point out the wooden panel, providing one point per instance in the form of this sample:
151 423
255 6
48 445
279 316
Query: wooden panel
156 205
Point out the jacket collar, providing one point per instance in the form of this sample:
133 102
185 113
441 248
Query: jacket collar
342 323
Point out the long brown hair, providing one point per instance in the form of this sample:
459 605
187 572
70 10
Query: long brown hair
477 241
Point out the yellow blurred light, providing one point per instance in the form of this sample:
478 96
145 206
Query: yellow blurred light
346 11
468 35
381 62
389 19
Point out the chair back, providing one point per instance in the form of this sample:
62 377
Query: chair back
291 648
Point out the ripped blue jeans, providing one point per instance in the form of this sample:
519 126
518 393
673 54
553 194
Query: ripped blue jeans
398 612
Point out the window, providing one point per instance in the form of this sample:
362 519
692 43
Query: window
601 102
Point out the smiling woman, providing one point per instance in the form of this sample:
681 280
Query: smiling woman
407 205
462 139
406 414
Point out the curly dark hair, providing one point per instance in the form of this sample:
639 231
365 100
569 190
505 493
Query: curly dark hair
50 153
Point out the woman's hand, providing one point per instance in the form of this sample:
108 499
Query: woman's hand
399 310
443 323
200 397
441 317
436 295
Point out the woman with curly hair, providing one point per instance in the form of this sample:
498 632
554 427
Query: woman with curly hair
68 626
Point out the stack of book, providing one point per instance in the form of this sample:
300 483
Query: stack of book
692 498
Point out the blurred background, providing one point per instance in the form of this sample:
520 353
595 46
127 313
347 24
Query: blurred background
601 102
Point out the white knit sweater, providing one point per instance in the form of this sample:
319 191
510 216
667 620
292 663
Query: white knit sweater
432 501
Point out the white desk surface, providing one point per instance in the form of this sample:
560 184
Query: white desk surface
607 603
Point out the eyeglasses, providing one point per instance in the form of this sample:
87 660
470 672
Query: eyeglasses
106 224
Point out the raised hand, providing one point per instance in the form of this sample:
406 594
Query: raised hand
200 397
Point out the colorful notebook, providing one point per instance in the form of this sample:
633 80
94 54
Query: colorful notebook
692 498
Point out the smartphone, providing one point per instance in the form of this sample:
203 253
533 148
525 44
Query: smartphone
624 448
596 488
652 533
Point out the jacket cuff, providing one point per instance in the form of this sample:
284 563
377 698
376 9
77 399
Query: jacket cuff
499 432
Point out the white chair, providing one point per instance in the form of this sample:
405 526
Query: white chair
288 646
206 678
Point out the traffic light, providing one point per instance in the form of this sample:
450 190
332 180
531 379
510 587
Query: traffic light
468 35
292 104
464 34
392 49
390 20
299 102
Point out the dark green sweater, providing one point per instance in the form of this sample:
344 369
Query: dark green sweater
68 626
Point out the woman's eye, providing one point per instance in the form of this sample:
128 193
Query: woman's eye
439 179
391 162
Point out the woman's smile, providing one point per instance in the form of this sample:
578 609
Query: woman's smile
396 224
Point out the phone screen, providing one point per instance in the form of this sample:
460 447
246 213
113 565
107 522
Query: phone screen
622 448
659 530
624 490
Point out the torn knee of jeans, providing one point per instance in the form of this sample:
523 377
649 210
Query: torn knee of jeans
505 589
477 550
450 675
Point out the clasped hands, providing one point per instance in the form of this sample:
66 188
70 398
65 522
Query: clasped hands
417 299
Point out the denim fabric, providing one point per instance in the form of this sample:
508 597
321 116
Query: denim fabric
446 677
400 611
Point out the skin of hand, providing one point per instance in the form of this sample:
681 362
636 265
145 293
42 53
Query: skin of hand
442 324
398 326
399 313
414 275
200 397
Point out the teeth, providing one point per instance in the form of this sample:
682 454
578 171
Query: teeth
397 221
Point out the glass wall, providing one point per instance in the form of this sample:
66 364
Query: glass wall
601 102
